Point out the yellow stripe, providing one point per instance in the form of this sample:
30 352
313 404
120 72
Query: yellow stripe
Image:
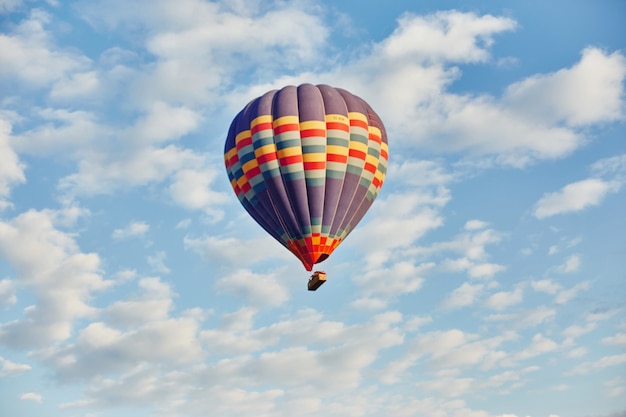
249 165
337 118
355 115
359 146
294 150
313 124
285 120
241 181
337 149
371 159
375 131
230 153
261 119
265 149
242 135
384 147
314 157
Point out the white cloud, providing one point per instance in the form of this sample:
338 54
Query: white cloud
256 289
230 249
613 167
525 124
232 384
465 295
31 396
180 73
574 197
154 303
191 189
11 169
604 362
7 6
7 293
8 368
539 346
566 295
448 350
401 219
29 55
603 314
134 228
100 347
588 92
615 387
485 270
578 352
104 173
444 36
526 318
472 246
157 262
62 132
475 224
61 277
503 299
78 84
163 122
421 173
450 384
388 283
546 286
575 331
572 264
369 303
618 339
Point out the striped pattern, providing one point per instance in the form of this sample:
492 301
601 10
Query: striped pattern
306 163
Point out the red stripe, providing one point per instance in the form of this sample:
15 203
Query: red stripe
359 123
314 165
337 126
244 142
232 161
375 138
384 154
333 157
262 159
289 127
253 173
357 154
261 126
376 182
369 167
307 133
246 187
288 160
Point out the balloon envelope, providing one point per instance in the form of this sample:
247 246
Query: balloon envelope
306 163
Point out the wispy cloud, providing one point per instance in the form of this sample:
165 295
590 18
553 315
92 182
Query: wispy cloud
135 228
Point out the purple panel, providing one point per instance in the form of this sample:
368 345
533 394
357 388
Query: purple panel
275 198
311 107
286 104
333 104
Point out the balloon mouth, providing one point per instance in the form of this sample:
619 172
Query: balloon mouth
322 257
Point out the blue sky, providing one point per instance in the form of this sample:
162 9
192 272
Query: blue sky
487 280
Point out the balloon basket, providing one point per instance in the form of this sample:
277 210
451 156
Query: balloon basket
317 279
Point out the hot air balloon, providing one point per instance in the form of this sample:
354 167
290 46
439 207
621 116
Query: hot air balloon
306 163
